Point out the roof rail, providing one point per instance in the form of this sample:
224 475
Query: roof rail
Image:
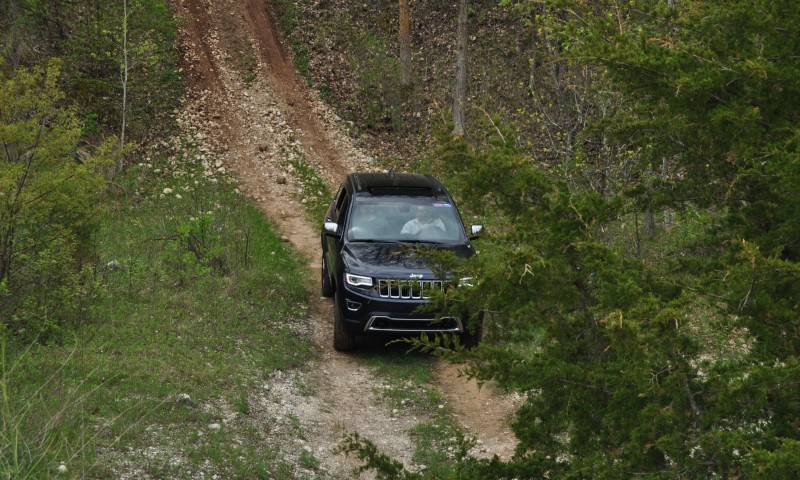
357 181
438 187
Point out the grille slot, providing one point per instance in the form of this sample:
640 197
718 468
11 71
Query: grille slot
409 289
413 325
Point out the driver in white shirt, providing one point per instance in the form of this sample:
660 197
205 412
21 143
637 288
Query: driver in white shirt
423 222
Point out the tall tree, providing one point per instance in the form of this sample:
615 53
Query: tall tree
675 367
124 74
460 90
405 44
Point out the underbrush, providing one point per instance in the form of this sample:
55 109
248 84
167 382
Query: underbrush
202 302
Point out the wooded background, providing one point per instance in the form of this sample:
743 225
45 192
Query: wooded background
636 164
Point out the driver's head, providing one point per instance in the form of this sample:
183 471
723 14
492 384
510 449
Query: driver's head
423 213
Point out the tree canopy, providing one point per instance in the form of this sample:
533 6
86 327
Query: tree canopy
681 363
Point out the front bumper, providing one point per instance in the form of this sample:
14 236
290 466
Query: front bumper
365 313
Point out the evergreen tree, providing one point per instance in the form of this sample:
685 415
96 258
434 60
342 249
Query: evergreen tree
677 365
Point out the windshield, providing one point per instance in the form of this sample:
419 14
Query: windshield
424 219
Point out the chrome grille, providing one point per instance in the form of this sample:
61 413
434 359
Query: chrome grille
411 289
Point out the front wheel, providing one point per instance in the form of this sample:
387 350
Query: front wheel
473 334
342 340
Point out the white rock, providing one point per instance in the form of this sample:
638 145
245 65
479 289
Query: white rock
167 191
215 427
113 265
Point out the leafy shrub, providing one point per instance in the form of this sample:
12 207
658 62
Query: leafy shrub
49 194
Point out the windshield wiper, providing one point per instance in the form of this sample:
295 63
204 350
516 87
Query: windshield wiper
416 240
372 240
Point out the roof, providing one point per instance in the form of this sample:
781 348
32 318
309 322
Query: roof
395 184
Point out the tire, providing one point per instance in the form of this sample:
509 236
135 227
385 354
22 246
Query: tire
342 340
326 286
471 338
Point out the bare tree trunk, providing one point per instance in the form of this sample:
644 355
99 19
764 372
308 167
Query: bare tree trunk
534 56
667 212
6 253
124 78
665 168
649 218
14 36
460 94
405 44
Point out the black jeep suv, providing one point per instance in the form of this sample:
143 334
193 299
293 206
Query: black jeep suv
370 265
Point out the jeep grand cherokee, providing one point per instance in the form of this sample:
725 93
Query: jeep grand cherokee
370 266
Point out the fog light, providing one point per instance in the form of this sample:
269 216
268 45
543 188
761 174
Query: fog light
352 306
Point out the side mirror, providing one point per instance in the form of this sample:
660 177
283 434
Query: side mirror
330 228
476 231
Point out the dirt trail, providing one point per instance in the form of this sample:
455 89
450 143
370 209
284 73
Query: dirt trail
248 107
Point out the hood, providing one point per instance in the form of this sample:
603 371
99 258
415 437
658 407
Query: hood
394 260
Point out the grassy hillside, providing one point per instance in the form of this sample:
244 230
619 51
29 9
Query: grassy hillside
142 310
201 303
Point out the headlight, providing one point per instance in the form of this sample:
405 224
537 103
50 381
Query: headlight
358 280
466 282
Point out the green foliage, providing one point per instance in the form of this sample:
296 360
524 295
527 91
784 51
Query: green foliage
314 193
675 365
629 365
194 250
366 451
48 199
713 90
105 394
90 36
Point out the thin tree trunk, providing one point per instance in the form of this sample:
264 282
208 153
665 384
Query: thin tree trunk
14 36
534 57
667 212
124 75
7 250
460 94
405 44
649 217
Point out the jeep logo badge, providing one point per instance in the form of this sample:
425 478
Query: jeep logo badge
416 275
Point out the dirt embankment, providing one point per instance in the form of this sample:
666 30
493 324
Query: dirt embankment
248 106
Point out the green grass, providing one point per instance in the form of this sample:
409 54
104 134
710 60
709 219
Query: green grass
407 378
202 299
290 16
409 386
316 194
439 445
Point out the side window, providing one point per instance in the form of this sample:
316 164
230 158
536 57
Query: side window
342 203
340 196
